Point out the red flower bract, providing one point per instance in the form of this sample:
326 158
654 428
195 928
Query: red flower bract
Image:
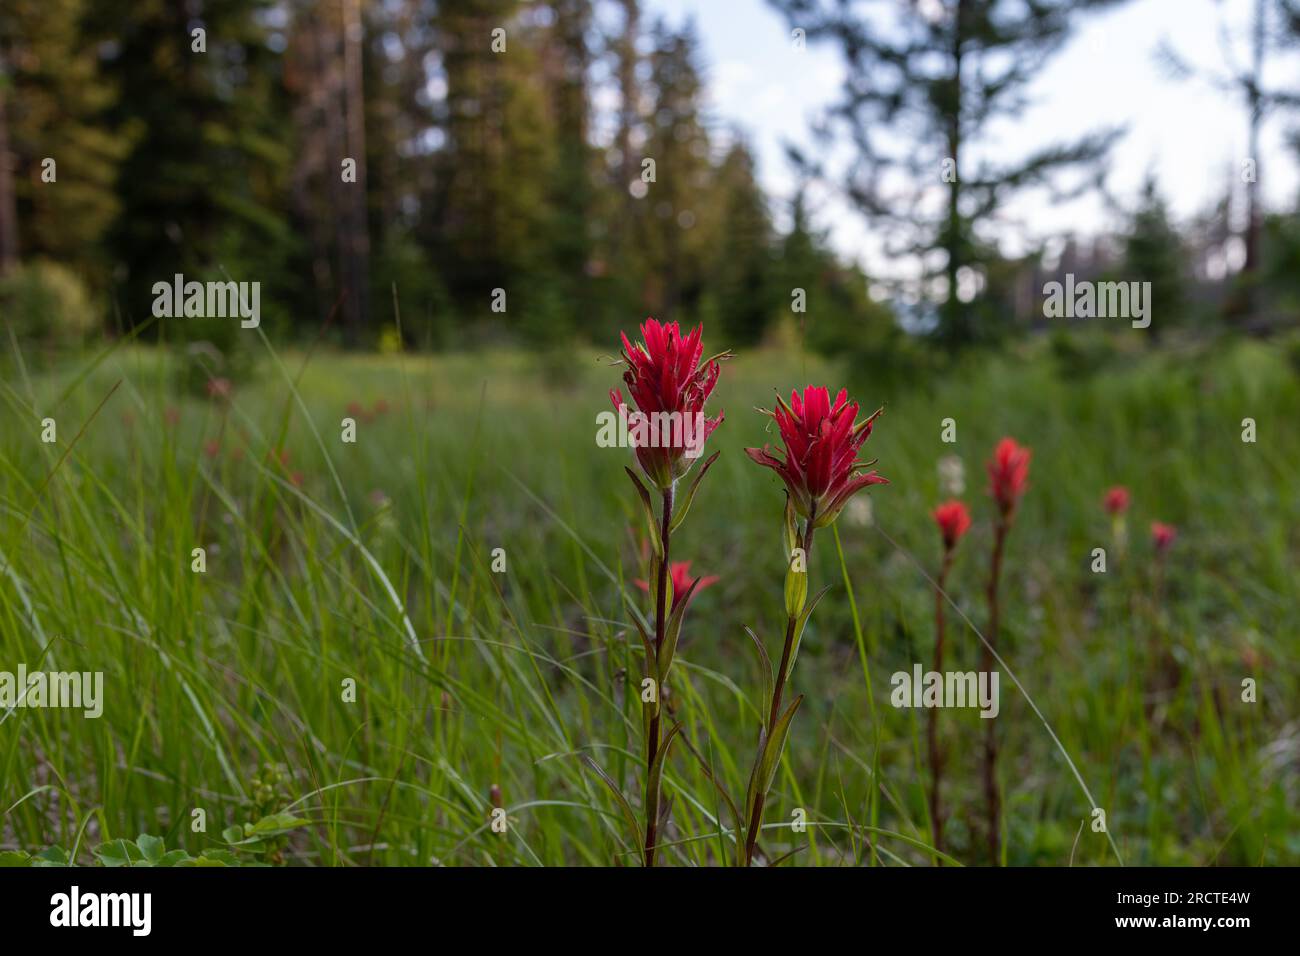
821 470
1008 474
680 574
1162 535
953 520
669 386
1116 500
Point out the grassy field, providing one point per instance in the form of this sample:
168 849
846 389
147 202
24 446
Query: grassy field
329 562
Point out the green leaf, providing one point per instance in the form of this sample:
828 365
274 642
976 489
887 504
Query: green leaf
233 834
690 493
275 824
212 858
790 528
669 647
796 589
120 853
647 645
52 856
172 858
661 759
769 677
799 626
629 815
11 858
772 750
151 847
655 541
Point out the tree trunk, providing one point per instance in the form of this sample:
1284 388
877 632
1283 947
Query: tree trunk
8 207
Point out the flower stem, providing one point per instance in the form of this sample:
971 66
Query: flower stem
992 798
756 818
652 738
932 730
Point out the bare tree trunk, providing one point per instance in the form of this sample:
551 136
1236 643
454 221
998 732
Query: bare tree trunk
1251 238
354 240
8 207
952 313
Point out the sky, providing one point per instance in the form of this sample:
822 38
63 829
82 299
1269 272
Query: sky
1185 132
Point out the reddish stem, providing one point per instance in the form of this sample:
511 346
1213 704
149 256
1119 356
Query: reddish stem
652 740
756 818
932 730
992 798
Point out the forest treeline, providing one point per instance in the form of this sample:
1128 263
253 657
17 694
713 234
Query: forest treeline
476 168
550 170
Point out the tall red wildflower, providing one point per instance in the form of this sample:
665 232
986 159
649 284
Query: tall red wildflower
953 520
665 376
1008 475
820 468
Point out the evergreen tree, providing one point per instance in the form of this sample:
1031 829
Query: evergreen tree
1153 252
53 101
746 297
923 87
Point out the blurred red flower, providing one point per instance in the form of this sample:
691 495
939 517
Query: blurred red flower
1116 500
821 468
953 520
1008 474
1162 536
680 572
664 375
219 388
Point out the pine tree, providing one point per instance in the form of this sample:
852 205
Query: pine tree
53 99
923 88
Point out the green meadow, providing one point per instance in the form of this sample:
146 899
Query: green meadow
390 638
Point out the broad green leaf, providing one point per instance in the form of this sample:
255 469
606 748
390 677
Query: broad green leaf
119 853
151 847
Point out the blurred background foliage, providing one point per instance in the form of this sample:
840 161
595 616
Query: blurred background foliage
524 169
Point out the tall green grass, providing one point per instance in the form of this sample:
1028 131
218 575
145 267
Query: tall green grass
373 562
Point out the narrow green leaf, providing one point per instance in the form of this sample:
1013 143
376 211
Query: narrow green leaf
655 541
774 746
661 759
790 528
690 494
769 677
800 625
629 815
669 647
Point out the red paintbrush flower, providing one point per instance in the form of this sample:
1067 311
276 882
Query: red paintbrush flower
219 388
669 386
953 520
821 470
680 574
1162 536
1116 500
1008 474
